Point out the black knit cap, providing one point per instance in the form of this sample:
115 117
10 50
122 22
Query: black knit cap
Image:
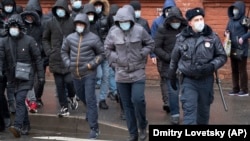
194 12
135 4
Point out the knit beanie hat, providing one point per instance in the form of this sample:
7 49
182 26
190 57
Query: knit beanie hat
194 12
135 4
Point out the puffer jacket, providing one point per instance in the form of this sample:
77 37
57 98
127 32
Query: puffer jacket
53 37
165 40
192 49
236 29
82 53
25 50
127 50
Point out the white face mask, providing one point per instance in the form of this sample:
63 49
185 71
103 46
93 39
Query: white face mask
199 26
77 4
14 31
175 25
137 14
91 18
79 29
60 13
98 9
125 25
28 21
236 12
8 9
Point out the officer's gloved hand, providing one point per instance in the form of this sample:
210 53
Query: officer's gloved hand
173 79
206 68
41 81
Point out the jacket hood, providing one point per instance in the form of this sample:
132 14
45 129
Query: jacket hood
241 6
83 18
124 14
34 5
175 13
63 4
34 14
90 8
113 9
105 4
168 4
15 19
9 2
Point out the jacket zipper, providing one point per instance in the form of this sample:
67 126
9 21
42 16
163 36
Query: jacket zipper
78 56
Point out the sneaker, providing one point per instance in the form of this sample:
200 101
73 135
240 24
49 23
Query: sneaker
94 133
133 138
143 134
232 93
25 130
15 131
39 103
32 107
63 112
241 93
73 103
103 105
175 120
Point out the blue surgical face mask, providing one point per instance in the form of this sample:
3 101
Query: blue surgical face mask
125 26
60 13
137 14
8 9
77 4
236 11
175 25
14 31
98 9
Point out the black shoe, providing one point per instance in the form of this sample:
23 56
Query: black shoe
39 103
143 134
133 138
15 131
103 105
25 130
166 108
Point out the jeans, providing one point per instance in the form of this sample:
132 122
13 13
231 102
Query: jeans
133 100
173 96
112 82
99 75
104 81
85 90
64 81
21 117
197 96
239 75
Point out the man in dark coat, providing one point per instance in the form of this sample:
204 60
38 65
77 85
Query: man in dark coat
58 28
19 47
164 43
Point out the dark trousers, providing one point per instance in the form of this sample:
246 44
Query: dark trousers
64 81
85 90
38 88
2 97
239 75
4 103
196 98
21 116
133 100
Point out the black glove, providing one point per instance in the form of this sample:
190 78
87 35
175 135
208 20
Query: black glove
206 68
41 81
173 79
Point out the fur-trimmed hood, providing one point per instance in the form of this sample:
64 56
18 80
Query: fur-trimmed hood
106 5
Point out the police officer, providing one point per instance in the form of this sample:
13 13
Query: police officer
198 52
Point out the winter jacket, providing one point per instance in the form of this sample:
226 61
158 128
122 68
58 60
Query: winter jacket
53 37
102 23
236 29
127 50
165 40
194 49
81 53
25 50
